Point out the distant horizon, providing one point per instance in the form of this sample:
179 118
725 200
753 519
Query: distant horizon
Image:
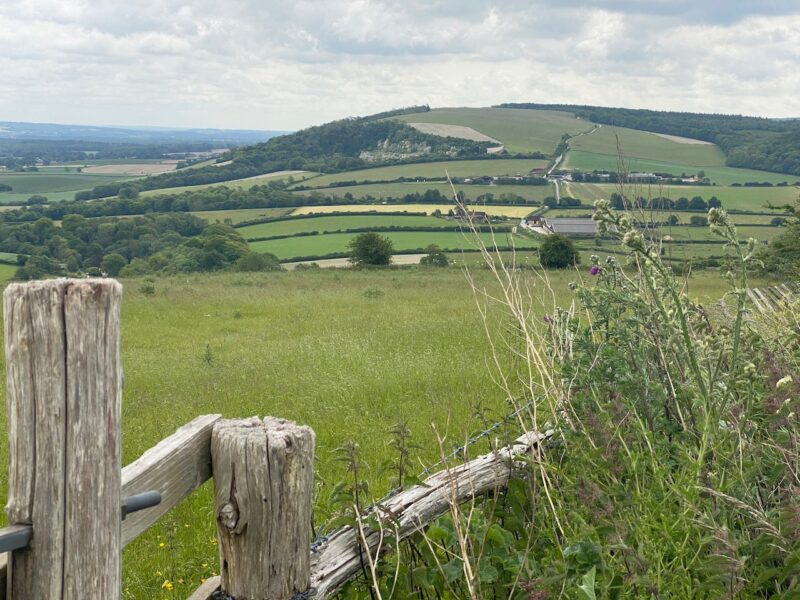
287 131
266 65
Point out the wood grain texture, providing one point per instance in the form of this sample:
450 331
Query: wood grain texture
63 396
176 466
263 485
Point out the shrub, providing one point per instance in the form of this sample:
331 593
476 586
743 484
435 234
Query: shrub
255 261
370 249
558 252
434 257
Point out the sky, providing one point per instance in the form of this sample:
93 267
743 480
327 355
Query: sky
289 64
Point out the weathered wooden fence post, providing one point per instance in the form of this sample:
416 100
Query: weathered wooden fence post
263 483
63 397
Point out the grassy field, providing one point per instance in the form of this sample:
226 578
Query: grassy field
456 168
242 214
520 130
349 353
6 272
334 223
244 184
501 211
738 198
288 248
398 190
587 161
647 146
56 186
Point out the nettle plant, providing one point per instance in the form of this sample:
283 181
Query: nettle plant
680 461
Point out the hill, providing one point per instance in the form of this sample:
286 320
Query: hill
748 142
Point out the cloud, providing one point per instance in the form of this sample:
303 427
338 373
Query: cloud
285 64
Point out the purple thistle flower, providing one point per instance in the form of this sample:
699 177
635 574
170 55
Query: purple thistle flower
548 319
594 270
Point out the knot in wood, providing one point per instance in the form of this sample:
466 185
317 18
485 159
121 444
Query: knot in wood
229 516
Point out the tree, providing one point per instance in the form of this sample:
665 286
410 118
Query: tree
113 263
367 249
697 203
673 220
435 257
558 252
714 202
778 222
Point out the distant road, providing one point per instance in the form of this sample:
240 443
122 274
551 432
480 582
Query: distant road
330 263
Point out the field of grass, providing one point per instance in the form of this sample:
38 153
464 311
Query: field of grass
56 186
242 214
647 146
456 168
587 161
520 130
500 211
244 184
317 245
734 198
398 190
333 223
6 272
651 216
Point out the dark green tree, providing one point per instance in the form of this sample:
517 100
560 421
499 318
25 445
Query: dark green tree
558 252
112 264
434 257
367 249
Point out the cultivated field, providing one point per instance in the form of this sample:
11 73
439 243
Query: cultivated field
54 185
387 191
519 130
456 131
319 245
722 176
738 198
456 168
132 169
647 146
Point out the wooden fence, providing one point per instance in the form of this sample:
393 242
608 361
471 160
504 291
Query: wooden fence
770 299
66 484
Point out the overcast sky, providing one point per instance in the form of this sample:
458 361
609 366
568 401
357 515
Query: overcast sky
287 64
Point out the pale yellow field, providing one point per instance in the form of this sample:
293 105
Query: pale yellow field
502 211
132 169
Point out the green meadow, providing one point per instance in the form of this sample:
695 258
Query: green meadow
589 161
318 245
341 223
520 130
455 168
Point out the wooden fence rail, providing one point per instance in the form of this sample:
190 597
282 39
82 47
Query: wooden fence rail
64 383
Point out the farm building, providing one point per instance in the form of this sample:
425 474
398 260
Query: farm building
460 213
570 226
